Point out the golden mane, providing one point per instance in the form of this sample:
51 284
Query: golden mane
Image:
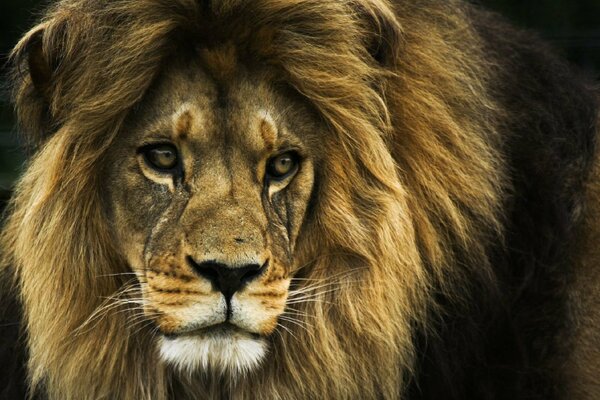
414 179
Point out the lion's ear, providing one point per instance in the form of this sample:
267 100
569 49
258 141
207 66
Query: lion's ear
38 63
33 85
384 33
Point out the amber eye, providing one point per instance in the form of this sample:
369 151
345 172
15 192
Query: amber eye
162 157
282 166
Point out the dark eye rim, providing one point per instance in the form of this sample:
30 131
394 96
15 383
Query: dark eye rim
144 150
296 157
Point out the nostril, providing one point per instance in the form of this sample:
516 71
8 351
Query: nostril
253 271
249 276
208 269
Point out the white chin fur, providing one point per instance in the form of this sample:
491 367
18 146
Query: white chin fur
235 353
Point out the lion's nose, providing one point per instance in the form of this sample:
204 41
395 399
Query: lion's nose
225 278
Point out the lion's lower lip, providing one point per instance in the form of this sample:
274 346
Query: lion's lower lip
221 329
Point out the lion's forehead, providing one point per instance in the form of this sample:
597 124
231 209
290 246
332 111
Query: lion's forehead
195 108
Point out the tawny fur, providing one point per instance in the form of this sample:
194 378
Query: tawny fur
391 203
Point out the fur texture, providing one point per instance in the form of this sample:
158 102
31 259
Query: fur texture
457 154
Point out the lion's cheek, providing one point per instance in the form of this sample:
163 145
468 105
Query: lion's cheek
258 312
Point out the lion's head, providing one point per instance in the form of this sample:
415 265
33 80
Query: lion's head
243 190
208 185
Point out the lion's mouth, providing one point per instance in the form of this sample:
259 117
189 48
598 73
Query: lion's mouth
222 329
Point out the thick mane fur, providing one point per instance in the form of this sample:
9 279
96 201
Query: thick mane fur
413 198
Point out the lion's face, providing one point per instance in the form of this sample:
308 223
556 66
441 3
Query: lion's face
208 190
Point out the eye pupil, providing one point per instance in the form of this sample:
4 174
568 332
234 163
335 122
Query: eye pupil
283 164
162 157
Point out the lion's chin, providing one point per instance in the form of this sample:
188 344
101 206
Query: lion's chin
222 351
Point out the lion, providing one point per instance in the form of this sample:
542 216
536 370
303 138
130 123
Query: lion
299 199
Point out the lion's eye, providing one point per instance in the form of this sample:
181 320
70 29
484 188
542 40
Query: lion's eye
161 157
282 166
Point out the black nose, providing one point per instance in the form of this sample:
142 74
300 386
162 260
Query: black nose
227 279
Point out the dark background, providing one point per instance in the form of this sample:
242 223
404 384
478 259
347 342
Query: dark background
572 26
